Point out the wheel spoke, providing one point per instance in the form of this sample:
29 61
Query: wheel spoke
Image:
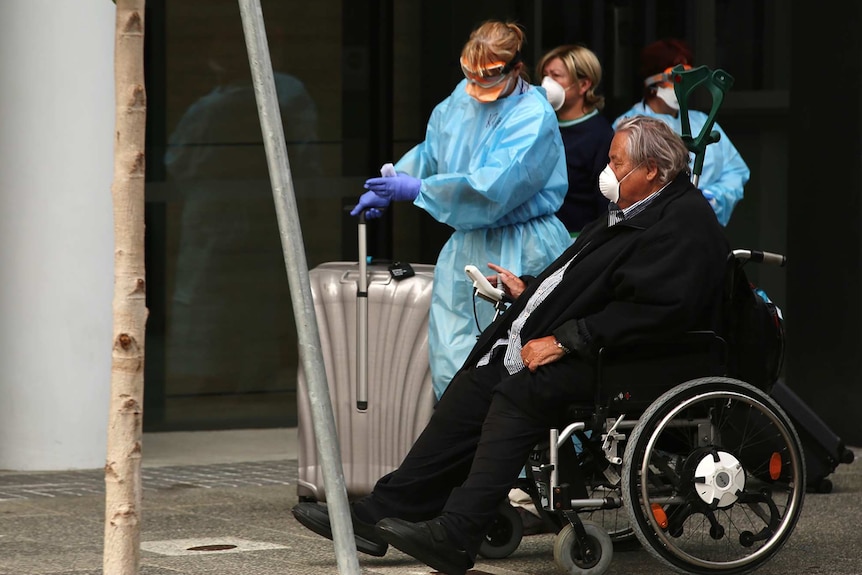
724 466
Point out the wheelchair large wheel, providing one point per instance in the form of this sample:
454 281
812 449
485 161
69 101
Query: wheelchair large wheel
504 535
713 477
569 557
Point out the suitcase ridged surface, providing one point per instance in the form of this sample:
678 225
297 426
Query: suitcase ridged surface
400 396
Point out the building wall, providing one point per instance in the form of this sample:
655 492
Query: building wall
824 239
230 360
56 150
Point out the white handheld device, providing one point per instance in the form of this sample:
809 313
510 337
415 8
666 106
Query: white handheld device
483 287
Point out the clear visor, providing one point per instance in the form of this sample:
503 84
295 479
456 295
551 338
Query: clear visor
492 74
487 77
665 79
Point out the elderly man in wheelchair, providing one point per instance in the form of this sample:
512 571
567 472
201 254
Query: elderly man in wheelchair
733 443
710 474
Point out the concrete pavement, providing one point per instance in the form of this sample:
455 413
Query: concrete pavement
218 503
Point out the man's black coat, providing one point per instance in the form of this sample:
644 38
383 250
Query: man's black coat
658 274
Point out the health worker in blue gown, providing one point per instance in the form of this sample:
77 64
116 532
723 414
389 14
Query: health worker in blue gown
492 167
725 173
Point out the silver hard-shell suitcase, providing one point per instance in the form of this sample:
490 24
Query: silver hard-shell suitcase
398 398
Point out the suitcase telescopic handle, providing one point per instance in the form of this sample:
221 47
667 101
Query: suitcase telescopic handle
362 321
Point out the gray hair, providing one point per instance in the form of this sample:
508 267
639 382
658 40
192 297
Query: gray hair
652 141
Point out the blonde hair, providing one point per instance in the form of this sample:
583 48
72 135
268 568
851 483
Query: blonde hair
494 41
580 62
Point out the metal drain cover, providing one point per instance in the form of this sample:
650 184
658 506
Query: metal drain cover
207 545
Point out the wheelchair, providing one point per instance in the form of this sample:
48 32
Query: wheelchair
704 470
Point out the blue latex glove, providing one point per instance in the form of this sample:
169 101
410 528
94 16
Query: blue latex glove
710 197
400 188
372 203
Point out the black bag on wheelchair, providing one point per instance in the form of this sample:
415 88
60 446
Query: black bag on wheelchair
754 332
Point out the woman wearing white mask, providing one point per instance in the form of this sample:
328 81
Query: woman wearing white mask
724 171
571 75
492 166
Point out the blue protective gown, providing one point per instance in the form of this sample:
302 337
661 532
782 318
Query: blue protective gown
724 171
496 173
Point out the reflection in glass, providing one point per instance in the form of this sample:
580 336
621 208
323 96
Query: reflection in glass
230 328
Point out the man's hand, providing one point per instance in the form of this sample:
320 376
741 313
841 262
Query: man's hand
540 351
512 284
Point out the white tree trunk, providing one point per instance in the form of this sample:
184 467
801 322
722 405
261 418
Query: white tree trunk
123 464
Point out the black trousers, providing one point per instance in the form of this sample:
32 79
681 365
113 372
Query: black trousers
466 460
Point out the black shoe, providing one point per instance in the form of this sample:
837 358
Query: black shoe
316 518
428 542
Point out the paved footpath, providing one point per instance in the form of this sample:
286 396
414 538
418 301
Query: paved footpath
234 519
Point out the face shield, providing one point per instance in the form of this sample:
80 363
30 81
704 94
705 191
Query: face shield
663 85
486 83
664 79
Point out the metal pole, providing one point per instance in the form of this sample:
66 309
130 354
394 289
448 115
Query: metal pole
300 289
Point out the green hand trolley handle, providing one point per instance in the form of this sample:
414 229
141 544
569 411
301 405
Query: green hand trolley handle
718 82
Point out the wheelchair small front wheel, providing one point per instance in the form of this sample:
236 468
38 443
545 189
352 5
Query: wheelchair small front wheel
504 535
569 556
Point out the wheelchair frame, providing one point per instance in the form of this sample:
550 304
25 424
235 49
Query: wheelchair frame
713 508
712 479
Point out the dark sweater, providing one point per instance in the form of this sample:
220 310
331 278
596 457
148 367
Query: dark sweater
587 144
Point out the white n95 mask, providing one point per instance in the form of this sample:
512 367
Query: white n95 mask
556 93
609 186
668 96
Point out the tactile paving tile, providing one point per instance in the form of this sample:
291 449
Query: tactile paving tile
16 486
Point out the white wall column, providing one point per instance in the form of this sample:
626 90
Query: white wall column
56 232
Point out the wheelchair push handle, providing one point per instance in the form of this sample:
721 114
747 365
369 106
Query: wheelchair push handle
760 257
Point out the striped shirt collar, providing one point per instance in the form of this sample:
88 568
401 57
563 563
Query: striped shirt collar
616 215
